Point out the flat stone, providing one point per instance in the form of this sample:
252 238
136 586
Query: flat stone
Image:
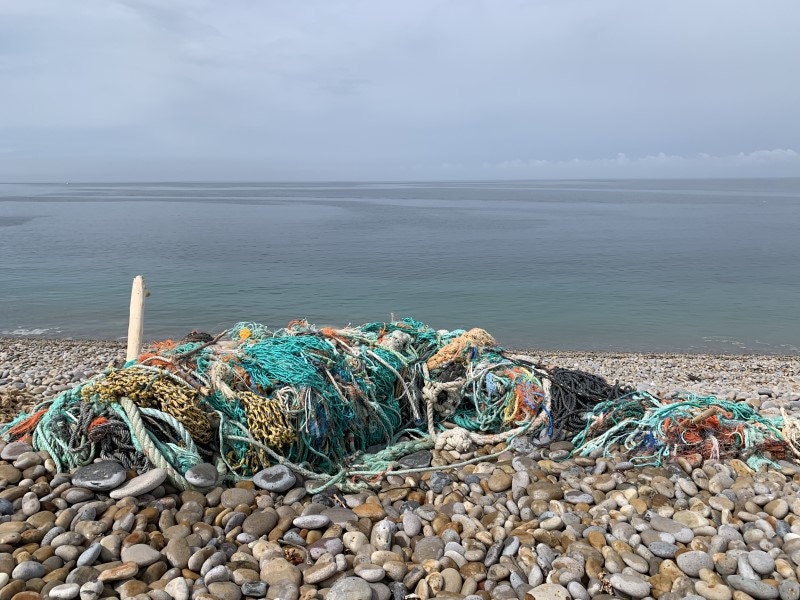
178 588
277 570
225 590
99 477
350 588
548 591
325 545
65 591
789 590
277 478
428 548
340 515
10 474
254 589
369 572
14 450
311 521
118 573
141 554
499 481
693 561
545 490
91 590
577 497
142 484
636 587
260 523
753 587
663 549
177 552
416 460
204 475
233 497
29 569
76 495
319 572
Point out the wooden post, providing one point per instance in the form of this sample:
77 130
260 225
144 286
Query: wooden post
135 322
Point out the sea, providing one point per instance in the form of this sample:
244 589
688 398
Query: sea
630 265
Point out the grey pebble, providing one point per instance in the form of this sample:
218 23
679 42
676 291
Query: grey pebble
311 521
140 485
29 569
203 475
277 478
100 476
753 587
350 588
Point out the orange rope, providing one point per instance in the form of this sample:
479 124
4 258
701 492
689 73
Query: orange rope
96 422
27 425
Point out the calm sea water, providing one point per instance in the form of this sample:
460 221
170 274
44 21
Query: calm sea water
701 265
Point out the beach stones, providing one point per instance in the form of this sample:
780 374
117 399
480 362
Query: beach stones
100 476
203 475
142 484
416 460
692 562
233 497
350 588
311 521
277 478
14 450
141 554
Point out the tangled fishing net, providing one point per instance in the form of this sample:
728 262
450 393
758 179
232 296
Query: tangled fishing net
329 403
650 430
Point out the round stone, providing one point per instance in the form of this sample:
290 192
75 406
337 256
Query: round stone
14 450
277 478
203 475
762 563
693 561
233 497
65 591
141 554
350 588
636 587
311 521
29 569
142 484
99 477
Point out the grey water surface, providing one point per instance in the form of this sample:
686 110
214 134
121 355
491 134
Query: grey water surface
635 265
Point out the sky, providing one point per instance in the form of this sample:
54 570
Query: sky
130 90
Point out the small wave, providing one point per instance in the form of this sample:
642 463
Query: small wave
26 332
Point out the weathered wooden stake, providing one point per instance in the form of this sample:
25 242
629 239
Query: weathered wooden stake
136 320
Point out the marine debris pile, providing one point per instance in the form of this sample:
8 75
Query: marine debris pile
341 406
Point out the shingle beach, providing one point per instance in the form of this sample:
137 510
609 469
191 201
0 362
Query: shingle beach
533 523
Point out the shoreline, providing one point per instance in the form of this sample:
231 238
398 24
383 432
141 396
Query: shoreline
33 369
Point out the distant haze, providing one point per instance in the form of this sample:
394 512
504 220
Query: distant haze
100 90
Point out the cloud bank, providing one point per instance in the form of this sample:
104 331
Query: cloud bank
195 89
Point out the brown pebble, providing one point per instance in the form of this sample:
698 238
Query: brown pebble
120 572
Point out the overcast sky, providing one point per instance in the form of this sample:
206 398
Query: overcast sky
410 90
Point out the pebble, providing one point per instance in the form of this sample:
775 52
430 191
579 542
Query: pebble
13 450
277 478
523 525
693 561
311 521
141 484
753 587
65 591
634 586
100 476
203 475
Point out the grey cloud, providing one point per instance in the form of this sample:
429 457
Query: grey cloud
260 90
